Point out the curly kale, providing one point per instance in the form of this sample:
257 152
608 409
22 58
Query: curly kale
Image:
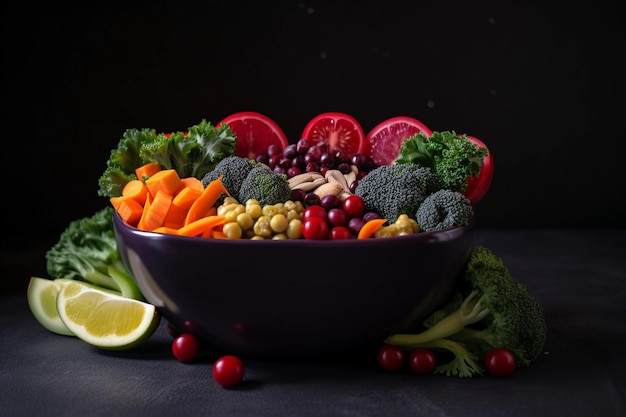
123 161
265 185
234 170
453 157
392 190
87 251
443 209
490 309
191 154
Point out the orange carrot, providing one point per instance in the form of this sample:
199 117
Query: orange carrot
207 199
186 197
154 215
166 180
137 190
146 207
175 217
193 182
370 227
166 230
216 234
116 201
200 226
128 208
147 170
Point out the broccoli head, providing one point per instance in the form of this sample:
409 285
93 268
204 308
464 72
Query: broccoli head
443 209
392 190
234 170
453 157
266 186
490 309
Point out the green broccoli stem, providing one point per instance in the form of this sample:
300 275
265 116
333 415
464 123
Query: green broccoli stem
470 311
464 363
487 340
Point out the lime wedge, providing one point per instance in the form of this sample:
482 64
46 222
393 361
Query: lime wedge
105 319
42 300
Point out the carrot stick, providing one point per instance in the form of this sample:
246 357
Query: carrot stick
166 180
147 170
370 227
207 199
186 197
166 230
198 227
128 208
175 217
193 182
137 190
146 207
154 215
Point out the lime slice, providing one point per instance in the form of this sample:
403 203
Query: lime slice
104 319
42 300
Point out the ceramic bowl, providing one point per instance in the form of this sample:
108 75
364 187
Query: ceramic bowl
294 298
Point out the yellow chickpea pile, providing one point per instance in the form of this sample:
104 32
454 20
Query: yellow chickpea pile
251 221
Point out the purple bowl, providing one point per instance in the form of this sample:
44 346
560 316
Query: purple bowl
294 298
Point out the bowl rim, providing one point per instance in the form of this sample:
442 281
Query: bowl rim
445 234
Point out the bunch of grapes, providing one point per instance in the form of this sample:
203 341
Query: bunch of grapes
308 156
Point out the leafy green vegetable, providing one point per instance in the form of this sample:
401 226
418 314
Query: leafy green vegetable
87 251
191 154
490 309
453 157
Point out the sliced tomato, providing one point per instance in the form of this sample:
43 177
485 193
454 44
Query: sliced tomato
255 133
340 130
477 187
383 142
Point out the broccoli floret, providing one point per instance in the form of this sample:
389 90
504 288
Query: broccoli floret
492 310
234 170
87 251
443 209
265 185
453 157
392 190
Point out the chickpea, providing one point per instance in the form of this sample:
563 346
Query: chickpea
232 230
262 227
294 229
245 220
278 223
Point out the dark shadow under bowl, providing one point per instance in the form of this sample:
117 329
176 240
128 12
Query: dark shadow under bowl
294 298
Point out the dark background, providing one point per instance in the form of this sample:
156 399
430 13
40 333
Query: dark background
539 84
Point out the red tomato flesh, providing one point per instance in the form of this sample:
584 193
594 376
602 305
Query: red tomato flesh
383 142
255 133
339 130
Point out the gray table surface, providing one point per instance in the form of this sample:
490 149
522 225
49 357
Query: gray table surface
579 277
